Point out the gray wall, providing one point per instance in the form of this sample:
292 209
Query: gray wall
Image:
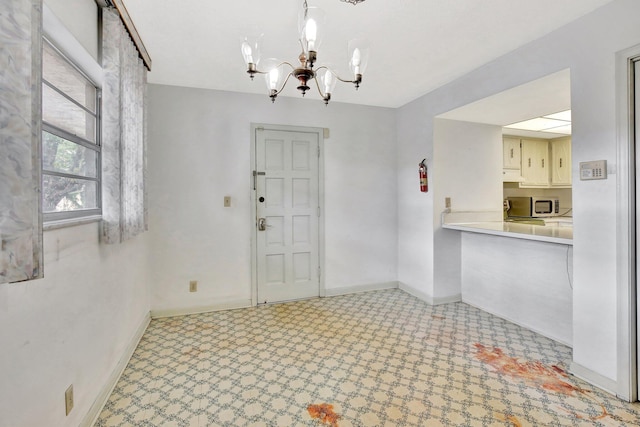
587 46
199 152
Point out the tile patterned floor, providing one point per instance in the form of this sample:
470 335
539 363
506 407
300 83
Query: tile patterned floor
380 358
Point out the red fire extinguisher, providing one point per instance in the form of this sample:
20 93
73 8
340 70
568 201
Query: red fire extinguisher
422 171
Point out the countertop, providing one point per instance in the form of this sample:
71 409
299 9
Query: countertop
543 233
555 231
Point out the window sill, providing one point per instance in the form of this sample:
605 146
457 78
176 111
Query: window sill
71 222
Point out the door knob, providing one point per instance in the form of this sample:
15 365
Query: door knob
262 224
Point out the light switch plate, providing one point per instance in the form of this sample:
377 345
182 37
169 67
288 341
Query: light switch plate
227 201
596 169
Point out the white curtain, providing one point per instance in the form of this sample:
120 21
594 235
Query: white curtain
124 213
20 140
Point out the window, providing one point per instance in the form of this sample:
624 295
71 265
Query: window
70 139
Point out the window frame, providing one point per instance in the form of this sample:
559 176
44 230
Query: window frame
81 215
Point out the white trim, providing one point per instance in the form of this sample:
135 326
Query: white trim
98 404
594 378
627 373
253 209
55 31
428 298
229 305
71 222
346 290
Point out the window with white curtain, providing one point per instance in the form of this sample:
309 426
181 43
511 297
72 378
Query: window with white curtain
71 154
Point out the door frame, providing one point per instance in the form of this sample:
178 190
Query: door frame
254 209
626 228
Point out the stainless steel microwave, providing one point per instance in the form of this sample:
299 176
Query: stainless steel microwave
533 207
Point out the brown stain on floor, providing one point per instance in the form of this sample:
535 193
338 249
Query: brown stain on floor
324 413
512 419
549 378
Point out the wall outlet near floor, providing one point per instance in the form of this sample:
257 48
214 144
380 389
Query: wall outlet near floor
447 202
193 286
68 399
227 201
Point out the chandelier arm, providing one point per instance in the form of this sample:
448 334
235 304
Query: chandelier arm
324 95
283 84
279 65
337 76
344 80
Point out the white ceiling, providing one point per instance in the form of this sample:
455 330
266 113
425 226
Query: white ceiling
547 95
416 45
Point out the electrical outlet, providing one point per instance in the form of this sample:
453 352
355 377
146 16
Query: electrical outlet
68 399
447 202
193 286
227 201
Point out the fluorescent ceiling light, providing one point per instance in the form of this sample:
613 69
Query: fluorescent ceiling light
565 130
562 115
557 123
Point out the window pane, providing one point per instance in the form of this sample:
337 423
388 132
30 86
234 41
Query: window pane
68 194
57 71
64 114
60 155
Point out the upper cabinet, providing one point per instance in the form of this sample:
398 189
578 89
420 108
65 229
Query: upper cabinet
561 157
511 159
511 153
537 163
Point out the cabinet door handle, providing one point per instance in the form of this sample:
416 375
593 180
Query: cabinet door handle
529 161
511 153
560 161
542 162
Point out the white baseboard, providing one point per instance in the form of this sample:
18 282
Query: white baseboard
229 305
107 388
593 378
428 298
345 290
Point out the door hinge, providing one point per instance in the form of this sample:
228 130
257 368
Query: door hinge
318 151
318 272
318 211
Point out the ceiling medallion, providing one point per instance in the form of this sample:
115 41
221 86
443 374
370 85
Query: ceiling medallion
353 2
310 28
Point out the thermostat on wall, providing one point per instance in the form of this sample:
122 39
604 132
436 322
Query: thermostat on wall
596 169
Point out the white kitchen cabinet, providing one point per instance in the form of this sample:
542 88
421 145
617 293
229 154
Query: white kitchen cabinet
511 159
561 162
535 163
510 153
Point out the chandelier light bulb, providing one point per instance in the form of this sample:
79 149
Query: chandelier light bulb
274 76
246 53
355 60
311 33
328 82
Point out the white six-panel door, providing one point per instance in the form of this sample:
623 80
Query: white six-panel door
287 215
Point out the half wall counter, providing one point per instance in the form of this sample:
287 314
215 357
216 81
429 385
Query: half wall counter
552 230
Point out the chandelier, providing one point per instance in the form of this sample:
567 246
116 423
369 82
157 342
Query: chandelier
310 26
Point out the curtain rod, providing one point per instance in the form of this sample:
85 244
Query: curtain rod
131 28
